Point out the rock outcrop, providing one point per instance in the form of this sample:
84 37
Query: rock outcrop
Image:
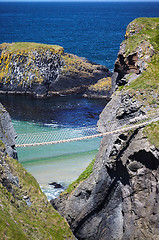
103 88
45 70
25 212
136 51
120 199
7 132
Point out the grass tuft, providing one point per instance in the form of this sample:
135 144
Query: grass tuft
152 133
84 175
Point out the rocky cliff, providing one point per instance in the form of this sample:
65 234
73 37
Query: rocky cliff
119 199
141 43
25 212
45 70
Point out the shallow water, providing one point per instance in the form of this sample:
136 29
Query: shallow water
60 163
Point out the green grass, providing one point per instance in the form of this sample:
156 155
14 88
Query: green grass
148 82
84 175
152 133
146 29
121 87
149 79
2 145
27 46
146 87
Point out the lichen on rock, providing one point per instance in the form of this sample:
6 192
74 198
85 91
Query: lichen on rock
45 70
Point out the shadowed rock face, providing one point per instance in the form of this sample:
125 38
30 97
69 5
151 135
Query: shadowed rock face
125 65
7 132
120 198
133 61
7 140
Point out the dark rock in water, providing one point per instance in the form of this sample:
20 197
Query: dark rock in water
56 185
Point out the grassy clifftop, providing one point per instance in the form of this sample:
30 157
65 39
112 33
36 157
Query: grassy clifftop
29 46
142 29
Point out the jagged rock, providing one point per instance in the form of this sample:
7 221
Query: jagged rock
7 132
56 185
135 61
119 200
128 78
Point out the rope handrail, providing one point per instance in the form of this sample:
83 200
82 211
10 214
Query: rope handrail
141 124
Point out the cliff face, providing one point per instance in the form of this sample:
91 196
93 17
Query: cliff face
120 199
25 212
7 132
45 70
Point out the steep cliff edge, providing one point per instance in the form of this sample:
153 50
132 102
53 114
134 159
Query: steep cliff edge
141 43
25 212
45 70
120 198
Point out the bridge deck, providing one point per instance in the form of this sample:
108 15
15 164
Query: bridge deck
47 138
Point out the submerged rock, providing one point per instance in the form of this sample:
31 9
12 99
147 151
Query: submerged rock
56 185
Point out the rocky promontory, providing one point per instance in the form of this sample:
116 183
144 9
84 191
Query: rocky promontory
45 70
119 198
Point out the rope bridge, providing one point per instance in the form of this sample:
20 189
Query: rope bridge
78 134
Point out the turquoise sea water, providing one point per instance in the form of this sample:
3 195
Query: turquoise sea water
60 163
